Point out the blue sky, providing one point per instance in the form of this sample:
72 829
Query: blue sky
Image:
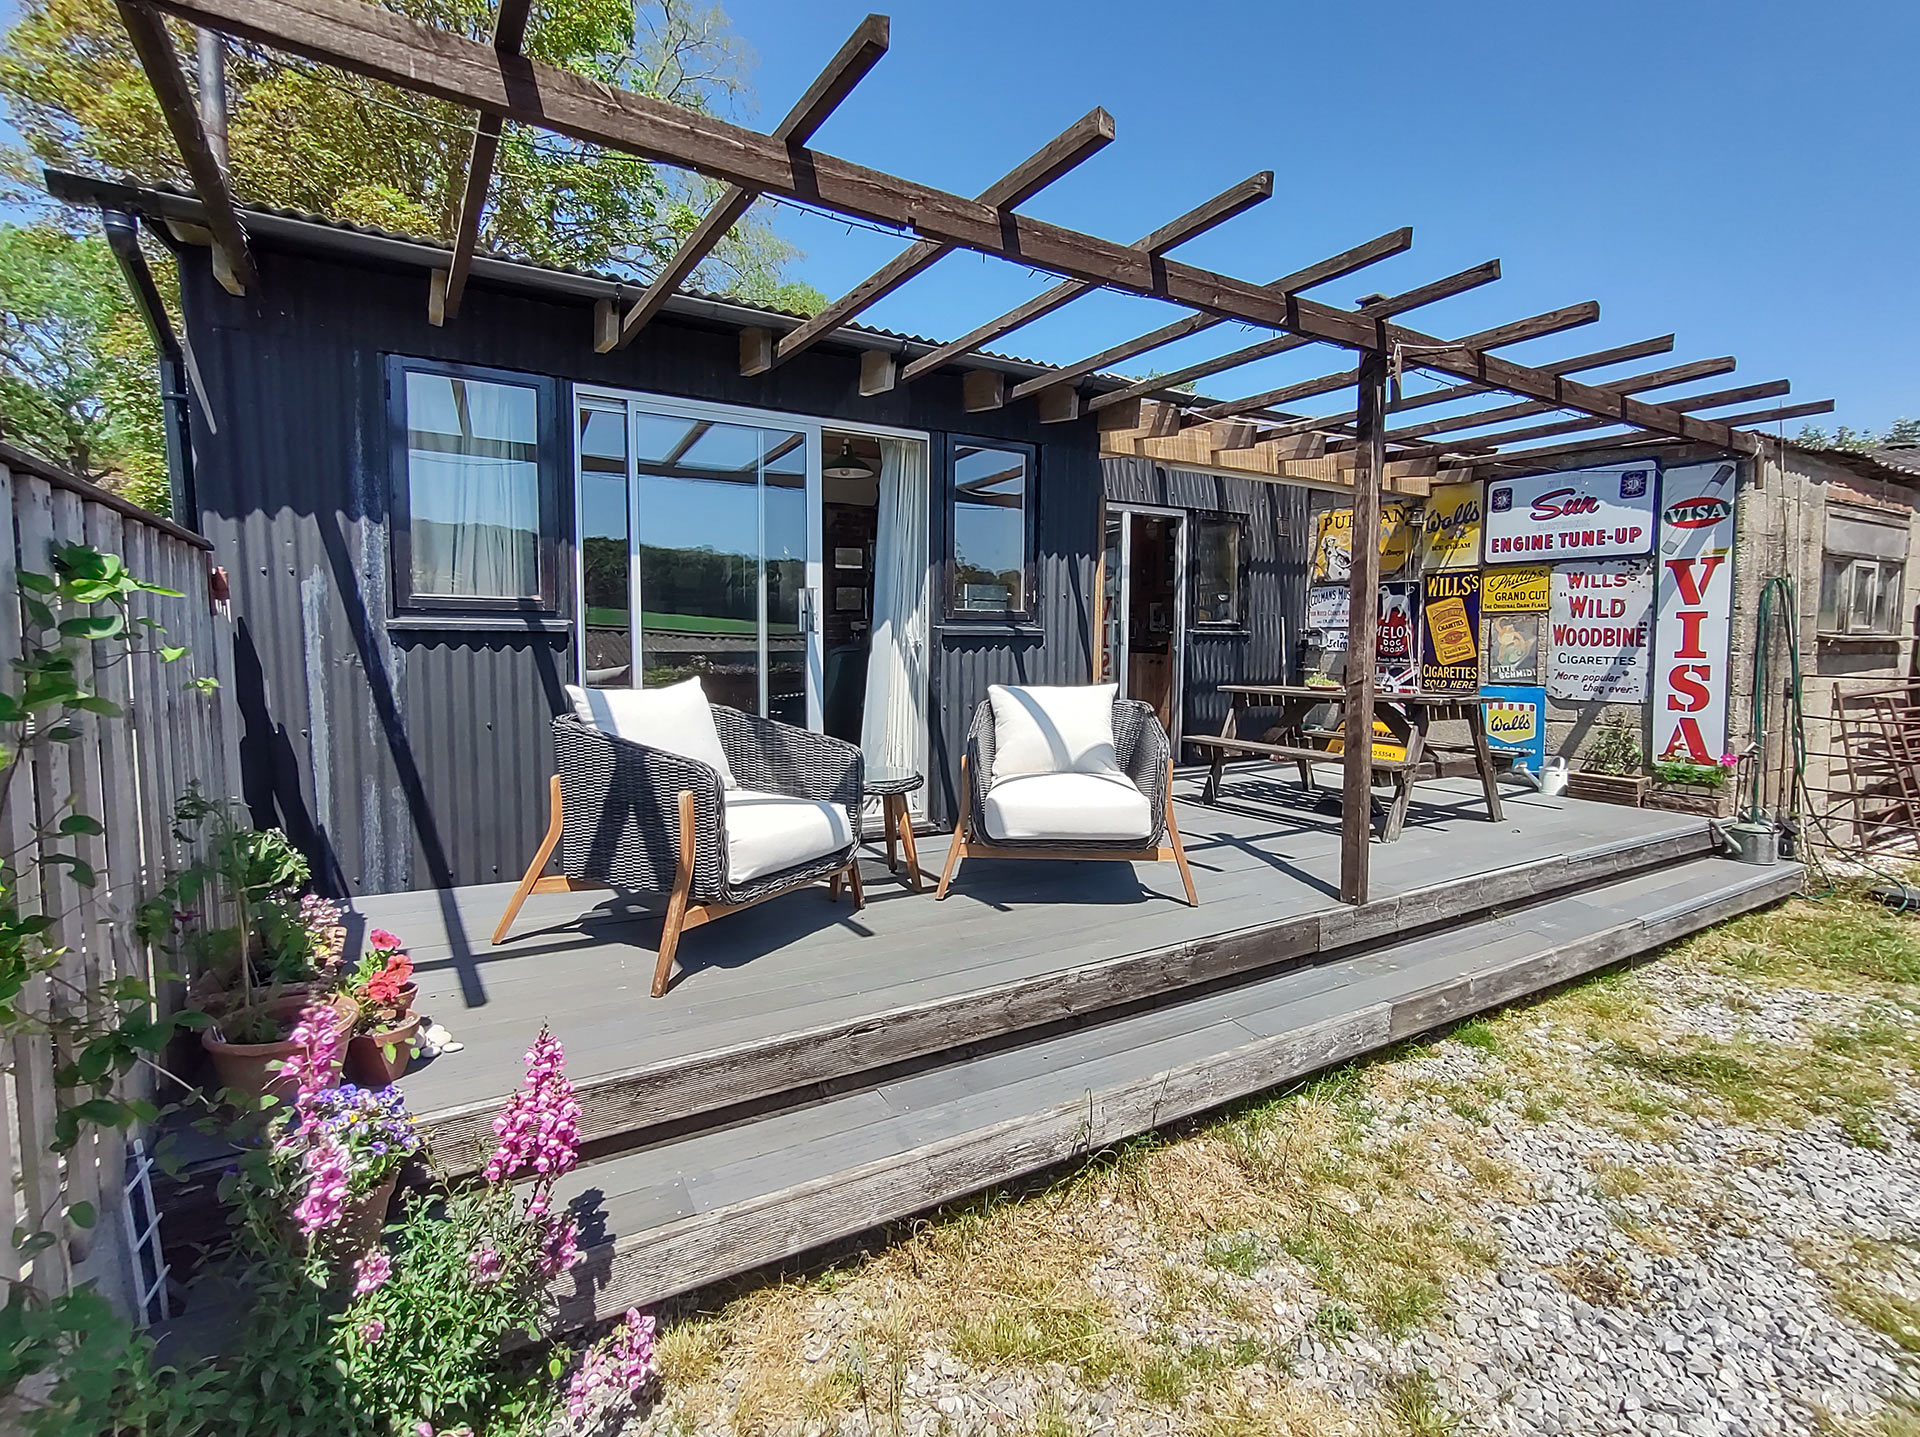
1741 173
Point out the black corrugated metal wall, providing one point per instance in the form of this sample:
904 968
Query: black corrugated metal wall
1274 517
404 752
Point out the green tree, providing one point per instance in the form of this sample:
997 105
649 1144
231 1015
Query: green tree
1901 431
77 375
306 137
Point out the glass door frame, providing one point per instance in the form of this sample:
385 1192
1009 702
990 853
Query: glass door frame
698 409
1123 590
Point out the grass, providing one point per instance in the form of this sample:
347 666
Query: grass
1150 1271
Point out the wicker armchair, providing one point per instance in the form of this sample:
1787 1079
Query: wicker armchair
631 817
1145 758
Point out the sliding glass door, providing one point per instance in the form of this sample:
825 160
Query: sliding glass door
699 553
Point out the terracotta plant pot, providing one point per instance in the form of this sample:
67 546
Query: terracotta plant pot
255 1068
360 1223
1628 789
408 992
376 1059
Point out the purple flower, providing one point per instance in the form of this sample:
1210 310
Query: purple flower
370 1272
540 1129
560 1249
486 1264
326 1195
614 1370
372 1330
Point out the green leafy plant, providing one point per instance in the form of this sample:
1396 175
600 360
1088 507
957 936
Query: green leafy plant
1615 747
1695 775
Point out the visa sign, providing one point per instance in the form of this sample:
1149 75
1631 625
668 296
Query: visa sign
1696 613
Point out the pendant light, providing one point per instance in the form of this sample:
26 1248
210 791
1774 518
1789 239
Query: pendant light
849 465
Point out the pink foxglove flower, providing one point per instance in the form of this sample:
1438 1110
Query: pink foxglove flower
370 1272
326 1196
614 1370
539 1131
372 1330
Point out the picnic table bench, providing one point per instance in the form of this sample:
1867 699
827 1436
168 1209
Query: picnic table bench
1407 716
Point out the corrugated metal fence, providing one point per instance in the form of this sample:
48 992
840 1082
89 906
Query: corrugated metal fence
126 772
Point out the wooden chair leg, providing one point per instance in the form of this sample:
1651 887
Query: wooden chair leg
890 805
854 884
959 834
677 904
906 843
833 887
540 857
1179 845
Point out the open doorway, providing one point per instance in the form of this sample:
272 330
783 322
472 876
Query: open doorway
1144 585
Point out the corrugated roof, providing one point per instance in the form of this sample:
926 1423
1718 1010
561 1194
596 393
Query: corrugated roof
169 201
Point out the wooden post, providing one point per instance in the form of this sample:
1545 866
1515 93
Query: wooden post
1356 812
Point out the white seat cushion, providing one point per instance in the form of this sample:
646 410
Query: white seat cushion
676 718
768 832
1067 807
1052 730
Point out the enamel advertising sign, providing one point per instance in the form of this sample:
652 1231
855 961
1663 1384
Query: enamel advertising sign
1522 590
1396 659
1600 631
1575 514
1512 646
1450 532
1516 720
1327 615
1450 632
1696 613
1333 543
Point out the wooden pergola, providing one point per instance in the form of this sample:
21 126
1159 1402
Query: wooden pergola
1359 447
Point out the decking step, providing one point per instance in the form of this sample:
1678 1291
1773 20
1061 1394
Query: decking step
677 1214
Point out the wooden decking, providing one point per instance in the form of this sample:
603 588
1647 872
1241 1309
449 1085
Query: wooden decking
816 1070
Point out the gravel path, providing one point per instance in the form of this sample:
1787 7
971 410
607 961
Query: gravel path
1689 1271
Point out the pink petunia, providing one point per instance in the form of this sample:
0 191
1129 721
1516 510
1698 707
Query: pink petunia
381 941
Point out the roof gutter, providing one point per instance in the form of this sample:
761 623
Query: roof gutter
123 238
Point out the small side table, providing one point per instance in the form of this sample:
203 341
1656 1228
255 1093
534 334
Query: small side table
893 789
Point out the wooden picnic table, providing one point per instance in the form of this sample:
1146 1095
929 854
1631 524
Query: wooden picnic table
1408 716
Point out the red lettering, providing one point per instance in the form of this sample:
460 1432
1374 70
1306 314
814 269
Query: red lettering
1691 585
1689 683
1562 502
1686 735
1690 621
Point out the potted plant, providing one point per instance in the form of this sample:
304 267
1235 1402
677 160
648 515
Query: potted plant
347 1144
1692 787
1610 769
382 989
250 1043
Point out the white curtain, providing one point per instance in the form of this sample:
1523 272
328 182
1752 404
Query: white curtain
474 487
893 733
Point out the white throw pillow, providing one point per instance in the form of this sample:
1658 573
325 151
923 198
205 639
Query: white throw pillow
1052 730
677 718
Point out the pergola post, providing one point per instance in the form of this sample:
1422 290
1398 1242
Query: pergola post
1356 805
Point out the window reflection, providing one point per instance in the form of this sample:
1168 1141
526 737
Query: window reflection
989 571
605 555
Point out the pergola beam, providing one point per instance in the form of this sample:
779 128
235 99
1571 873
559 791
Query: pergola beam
447 287
1266 348
1772 389
1086 137
154 47
1216 211
1631 384
1344 263
383 45
1598 359
833 84
1533 327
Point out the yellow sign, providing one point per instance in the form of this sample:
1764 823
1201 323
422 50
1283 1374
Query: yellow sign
1512 722
1333 543
1515 591
1450 533
1387 747
1452 631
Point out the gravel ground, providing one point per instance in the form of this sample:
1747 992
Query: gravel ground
1699 1256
